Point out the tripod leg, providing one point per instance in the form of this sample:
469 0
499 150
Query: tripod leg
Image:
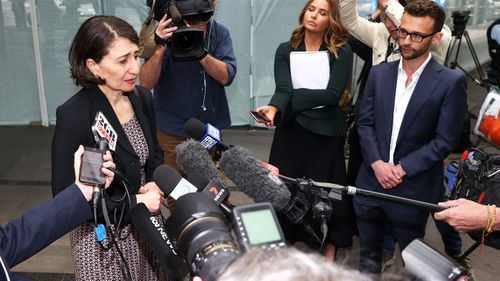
474 56
449 53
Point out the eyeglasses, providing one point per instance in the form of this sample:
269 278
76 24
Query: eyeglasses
415 37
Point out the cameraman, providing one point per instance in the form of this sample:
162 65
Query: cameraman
39 227
190 88
466 215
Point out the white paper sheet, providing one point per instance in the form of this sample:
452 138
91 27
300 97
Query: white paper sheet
310 70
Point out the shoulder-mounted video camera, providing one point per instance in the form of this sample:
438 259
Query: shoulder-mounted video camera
187 41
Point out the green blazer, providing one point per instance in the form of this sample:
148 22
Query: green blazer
299 103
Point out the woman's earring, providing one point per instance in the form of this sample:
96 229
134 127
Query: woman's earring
100 81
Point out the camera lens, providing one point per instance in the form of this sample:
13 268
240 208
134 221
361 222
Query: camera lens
202 235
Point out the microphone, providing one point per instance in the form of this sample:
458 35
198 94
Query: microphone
239 165
193 158
157 239
171 182
206 134
262 185
215 189
101 128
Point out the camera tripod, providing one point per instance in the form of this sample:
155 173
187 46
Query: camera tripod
482 81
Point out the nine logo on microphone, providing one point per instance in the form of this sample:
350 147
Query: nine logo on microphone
211 137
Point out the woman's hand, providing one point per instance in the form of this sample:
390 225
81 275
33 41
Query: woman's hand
268 110
152 197
150 186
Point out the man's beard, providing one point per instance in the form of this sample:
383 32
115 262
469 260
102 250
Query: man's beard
414 53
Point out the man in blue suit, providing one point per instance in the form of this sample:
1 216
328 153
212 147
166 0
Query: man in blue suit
410 119
39 227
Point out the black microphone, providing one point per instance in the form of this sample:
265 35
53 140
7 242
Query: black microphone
239 165
157 239
171 182
215 189
207 134
193 158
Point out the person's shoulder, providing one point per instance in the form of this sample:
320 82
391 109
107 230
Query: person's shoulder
284 47
446 71
219 27
345 49
76 104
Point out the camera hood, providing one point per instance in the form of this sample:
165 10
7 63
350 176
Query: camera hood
193 7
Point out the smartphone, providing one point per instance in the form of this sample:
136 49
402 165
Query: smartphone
259 118
90 169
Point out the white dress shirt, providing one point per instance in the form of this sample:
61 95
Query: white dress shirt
401 100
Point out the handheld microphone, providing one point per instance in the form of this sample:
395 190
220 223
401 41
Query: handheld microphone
157 239
239 165
206 134
171 182
193 158
103 129
215 189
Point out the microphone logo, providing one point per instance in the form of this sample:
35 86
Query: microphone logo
211 137
103 129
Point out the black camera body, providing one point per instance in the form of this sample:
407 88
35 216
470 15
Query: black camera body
209 240
186 42
460 19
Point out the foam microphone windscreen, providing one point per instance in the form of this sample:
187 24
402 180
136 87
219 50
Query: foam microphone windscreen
193 158
247 172
166 178
194 128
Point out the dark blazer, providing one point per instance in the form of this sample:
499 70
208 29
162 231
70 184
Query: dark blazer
74 121
429 131
299 103
39 227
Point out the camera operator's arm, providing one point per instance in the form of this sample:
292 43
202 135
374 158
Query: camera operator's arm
466 215
220 62
215 68
151 69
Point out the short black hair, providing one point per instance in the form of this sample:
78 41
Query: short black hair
92 41
424 8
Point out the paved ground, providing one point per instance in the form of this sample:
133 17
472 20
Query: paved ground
25 183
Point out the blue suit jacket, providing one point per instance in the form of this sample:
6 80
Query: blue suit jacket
39 227
430 129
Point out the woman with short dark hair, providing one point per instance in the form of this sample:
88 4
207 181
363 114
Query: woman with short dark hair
104 61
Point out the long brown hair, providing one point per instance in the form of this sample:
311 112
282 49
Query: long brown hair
336 34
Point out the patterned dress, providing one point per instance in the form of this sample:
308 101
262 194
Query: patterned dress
92 262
